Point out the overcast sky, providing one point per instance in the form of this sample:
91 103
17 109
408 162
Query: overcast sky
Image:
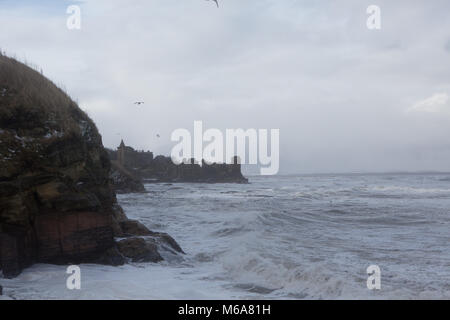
345 98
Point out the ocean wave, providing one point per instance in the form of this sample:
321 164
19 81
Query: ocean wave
408 190
281 238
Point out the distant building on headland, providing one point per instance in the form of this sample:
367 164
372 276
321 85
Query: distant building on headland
143 165
130 158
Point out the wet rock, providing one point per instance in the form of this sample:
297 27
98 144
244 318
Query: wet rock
112 257
157 240
168 242
139 250
134 228
123 181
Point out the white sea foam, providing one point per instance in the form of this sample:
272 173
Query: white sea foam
309 237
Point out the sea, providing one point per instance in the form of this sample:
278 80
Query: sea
278 237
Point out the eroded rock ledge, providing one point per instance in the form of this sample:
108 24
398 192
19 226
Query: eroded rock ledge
142 245
56 200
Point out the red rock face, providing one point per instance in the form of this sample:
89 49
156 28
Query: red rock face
17 250
77 236
59 214
56 238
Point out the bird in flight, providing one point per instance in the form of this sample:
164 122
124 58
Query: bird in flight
217 3
158 136
139 103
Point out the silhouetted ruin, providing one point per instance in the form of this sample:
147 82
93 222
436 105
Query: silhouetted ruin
142 165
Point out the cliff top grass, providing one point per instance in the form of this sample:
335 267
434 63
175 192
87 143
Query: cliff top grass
32 105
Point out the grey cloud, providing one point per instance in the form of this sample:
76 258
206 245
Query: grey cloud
337 91
447 46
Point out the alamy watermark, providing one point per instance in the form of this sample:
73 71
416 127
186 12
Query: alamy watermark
251 146
374 279
73 282
374 19
74 19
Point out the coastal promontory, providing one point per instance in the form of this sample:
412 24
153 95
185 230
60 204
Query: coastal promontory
56 200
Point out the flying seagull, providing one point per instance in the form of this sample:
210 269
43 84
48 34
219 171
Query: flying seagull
139 103
217 3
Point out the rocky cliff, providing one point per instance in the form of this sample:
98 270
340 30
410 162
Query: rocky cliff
56 201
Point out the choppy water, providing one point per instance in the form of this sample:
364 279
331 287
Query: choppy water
288 237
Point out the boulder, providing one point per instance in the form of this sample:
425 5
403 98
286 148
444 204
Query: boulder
139 250
167 242
134 228
112 257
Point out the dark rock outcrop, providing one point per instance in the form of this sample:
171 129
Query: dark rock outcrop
167 242
124 181
111 257
56 201
133 227
139 250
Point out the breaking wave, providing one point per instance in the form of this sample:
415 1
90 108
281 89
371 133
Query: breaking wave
292 237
